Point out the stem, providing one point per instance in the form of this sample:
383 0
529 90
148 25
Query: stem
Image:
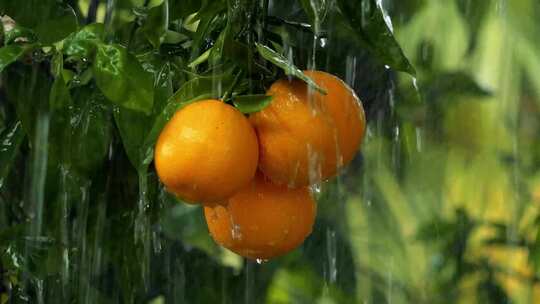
92 11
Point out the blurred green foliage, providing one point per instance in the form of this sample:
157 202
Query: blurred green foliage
441 205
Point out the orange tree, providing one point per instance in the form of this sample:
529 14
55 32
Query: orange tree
88 86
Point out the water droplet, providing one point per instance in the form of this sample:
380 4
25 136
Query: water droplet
323 42
316 188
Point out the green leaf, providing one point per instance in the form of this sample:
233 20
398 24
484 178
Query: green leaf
90 130
10 54
122 79
155 26
10 141
369 22
51 20
288 67
173 37
62 22
27 89
252 103
134 126
83 43
193 90
226 46
209 19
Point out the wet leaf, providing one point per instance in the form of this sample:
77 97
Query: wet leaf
10 54
121 78
372 26
210 18
252 103
84 42
90 130
288 67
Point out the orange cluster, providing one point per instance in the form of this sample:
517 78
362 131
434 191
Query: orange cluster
252 175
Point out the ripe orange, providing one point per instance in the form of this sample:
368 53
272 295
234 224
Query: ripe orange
304 136
263 220
206 152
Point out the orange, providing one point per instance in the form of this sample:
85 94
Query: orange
206 152
304 136
263 220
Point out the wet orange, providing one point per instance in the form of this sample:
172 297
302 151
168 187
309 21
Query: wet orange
206 152
263 220
304 136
